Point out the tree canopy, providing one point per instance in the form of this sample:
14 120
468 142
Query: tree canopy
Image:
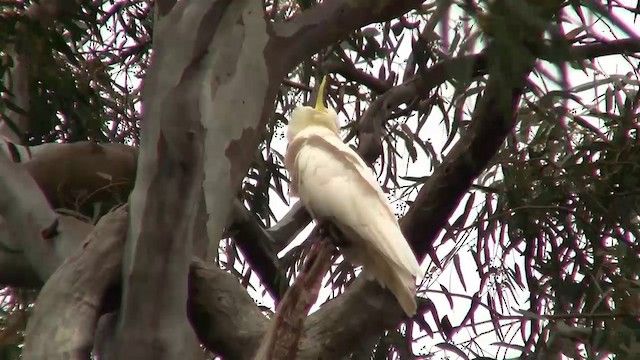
145 209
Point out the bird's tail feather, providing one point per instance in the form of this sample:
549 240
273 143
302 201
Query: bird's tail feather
400 282
404 289
391 274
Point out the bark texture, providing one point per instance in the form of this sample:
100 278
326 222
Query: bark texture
286 329
224 316
205 54
165 198
197 102
75 294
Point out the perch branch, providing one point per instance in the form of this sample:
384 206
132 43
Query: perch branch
75 292
283 336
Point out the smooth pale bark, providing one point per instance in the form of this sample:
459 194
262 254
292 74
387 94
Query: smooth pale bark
228 321
15 268
204 55
75 292
80 175
236 91
165 198
232 323
26 211
223 315
90 174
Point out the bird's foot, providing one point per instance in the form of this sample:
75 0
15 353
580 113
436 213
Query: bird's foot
328 231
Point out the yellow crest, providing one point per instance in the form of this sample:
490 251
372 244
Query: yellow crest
320 99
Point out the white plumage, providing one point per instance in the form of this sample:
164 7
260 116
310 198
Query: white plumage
335 184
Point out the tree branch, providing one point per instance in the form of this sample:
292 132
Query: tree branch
289 226
349 304
620 46
327 23
462 68
257 246
75 292
363 312
349 71
493 119
15 269
204 57
79 175
26 211
166 196
223 315
282 338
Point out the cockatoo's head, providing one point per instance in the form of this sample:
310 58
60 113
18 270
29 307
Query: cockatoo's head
305 116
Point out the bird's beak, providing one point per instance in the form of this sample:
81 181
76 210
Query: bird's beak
320 100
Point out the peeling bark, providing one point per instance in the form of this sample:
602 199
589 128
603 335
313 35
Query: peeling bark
164 204
203 89
237 101
223 314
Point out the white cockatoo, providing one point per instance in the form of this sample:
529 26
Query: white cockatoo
336 186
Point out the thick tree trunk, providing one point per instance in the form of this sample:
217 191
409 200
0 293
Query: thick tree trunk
196 102
205 56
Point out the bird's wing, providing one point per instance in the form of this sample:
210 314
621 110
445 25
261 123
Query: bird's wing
289 163
333 181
